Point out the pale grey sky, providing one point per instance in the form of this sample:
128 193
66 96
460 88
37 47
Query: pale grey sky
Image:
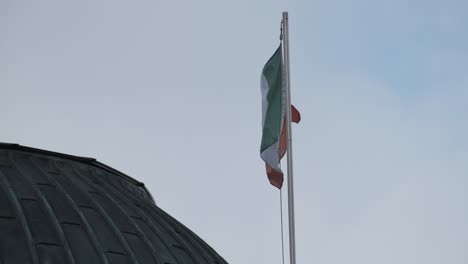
168 92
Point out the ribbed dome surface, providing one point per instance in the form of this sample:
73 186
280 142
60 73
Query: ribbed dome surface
57 208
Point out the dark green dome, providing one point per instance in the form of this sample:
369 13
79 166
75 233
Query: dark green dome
57 208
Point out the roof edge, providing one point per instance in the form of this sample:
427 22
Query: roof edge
85 160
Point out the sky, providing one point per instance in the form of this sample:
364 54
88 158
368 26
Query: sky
169 93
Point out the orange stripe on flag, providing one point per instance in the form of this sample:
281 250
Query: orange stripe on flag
296 118
275 177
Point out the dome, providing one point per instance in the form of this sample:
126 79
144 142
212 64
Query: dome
57 208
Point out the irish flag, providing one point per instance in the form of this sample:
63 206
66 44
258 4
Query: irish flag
273 146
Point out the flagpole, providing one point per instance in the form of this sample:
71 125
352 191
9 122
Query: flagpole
292 235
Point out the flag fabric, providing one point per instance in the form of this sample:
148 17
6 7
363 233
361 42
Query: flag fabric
296 118
273 144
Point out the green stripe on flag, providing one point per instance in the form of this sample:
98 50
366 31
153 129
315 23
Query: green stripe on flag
272 74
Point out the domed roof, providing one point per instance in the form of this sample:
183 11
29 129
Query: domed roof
57 208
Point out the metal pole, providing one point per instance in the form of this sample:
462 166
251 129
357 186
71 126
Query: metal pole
292 235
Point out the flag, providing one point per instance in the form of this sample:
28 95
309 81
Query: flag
273 144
